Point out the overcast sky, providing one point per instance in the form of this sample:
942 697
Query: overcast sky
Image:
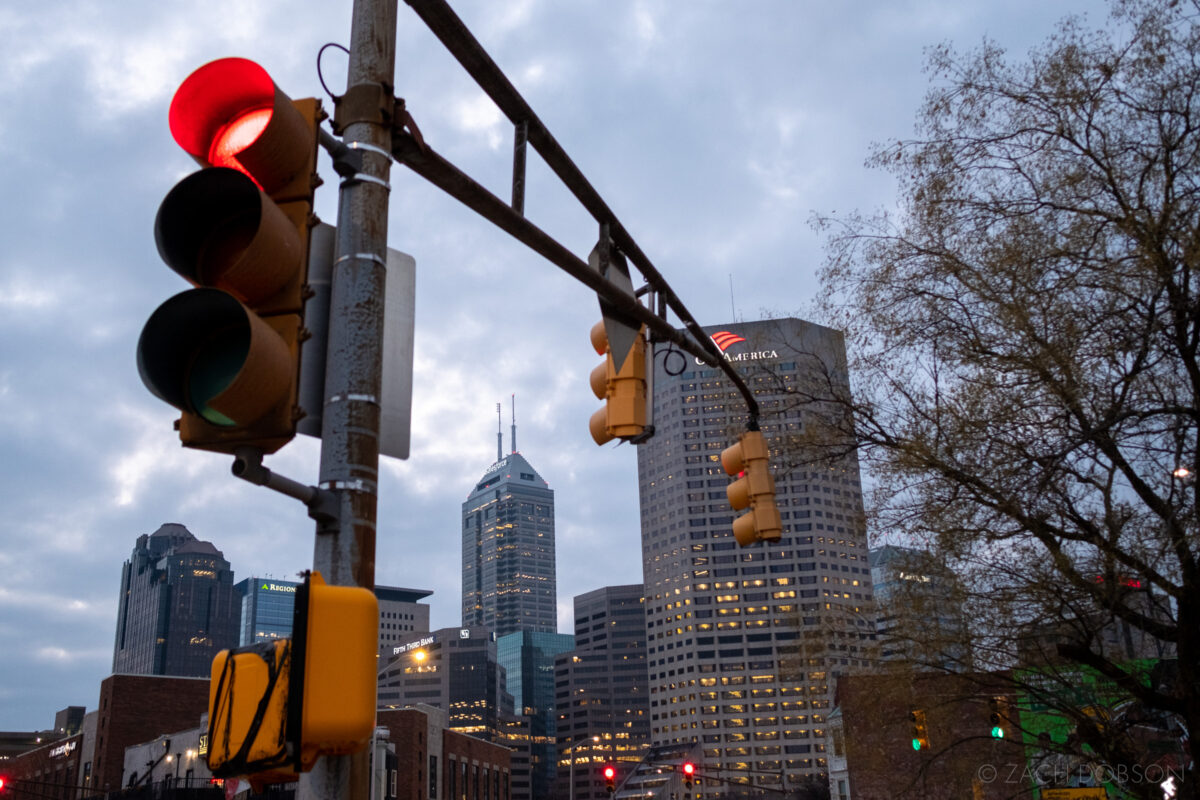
712 129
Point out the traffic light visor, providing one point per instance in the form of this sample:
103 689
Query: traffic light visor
203 352
217 228
230 113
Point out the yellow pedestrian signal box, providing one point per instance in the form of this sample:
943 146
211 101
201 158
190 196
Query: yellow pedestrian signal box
336 642
623 391
275 707
227 352
754 488
247 713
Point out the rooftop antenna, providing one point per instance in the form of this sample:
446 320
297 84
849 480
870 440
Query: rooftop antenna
732 309
514 422
499 435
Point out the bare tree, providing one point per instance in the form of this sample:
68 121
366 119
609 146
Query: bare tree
1023 337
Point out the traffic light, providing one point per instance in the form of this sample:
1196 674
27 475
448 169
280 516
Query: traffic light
998 717
623 390
227 353
689 771
610 778
274 707
920 734
754 488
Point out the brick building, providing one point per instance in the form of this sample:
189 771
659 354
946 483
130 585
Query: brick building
875 734
51 771
135 709
436 763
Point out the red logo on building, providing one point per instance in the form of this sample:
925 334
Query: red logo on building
723 339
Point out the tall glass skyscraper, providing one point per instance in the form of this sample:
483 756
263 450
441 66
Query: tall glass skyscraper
744 643
508 578
528 661
178 608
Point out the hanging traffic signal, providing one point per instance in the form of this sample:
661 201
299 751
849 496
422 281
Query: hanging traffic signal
689 771
610 778
998 716
227 353
754 488
920 734
623 389
275 707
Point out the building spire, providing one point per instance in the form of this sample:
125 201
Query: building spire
514 422
499 435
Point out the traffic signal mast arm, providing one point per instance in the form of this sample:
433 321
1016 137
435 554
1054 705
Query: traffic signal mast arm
416 154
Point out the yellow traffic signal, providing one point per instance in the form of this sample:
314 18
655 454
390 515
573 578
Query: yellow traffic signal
624 390
227 353
920 733
754 488
998 716
275 707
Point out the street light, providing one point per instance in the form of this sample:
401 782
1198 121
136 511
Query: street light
571 770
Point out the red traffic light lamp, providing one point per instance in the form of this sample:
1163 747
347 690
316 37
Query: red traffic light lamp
754 488
227 353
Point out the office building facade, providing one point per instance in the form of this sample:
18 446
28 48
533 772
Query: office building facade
508 569
178 607
601 691
745 643
919 611
527 658
454 669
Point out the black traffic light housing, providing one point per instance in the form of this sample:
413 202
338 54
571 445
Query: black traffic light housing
610 778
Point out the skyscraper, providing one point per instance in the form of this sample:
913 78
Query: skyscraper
508 578
178 607
528 661
919 612
745 643
600 688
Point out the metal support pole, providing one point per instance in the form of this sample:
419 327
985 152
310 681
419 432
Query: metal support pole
344 552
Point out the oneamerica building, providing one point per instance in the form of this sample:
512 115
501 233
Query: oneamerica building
745 643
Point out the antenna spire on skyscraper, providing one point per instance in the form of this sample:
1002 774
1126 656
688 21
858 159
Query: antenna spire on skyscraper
499 434
514 422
